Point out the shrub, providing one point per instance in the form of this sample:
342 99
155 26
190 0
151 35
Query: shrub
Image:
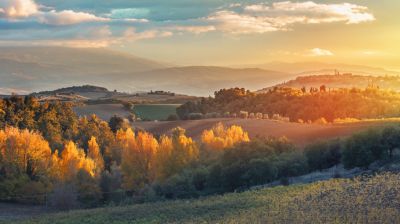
361 149
195 116
323 155
321 121
64 197
172 117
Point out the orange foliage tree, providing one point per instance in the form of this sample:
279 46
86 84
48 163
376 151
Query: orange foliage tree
137 158
74 160
174 154
219 137
95 154
23 151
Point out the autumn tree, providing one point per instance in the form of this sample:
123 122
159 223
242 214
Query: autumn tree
23 152
24 164
95 155
72 161
219 137
174 154
137 160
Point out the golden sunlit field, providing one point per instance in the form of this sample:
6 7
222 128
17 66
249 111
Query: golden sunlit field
298 133
362 200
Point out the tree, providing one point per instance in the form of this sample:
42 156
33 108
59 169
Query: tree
72 161
175 154
137 161
117 123
219 137
95 155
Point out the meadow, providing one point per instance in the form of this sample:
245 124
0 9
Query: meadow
155 111
360 200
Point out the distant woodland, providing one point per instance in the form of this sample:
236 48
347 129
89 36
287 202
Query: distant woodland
299 104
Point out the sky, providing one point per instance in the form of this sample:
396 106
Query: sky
213 32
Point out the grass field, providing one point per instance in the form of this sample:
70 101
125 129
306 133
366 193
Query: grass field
155 111
362 200
103 111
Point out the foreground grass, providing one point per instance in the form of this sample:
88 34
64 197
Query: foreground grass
363 200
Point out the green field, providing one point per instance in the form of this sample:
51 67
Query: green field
155 111
362 200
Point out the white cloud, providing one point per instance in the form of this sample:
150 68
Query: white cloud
17 8
68 17
194 29
232 22
131 34
318 52
262 18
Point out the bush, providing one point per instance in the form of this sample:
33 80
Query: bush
291 164
321 121
323 155
195 116
64 197
361 149
172 117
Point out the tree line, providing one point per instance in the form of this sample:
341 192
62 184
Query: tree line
299 105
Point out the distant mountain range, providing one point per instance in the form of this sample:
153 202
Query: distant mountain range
318 68
32 69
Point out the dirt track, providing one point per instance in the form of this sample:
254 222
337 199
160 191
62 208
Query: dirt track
299 133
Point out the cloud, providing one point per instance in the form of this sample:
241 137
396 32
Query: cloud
235 23
194 29
17 8
318 52
74 21
20 9
132 35
262 18
68 17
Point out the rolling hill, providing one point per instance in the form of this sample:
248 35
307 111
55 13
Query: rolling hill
317 68
203 80
33 69
342 81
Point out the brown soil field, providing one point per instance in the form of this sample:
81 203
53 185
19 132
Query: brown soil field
103 111
300 134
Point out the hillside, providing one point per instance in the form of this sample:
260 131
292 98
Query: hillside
35 69
203 80
342 81
317 68
363 200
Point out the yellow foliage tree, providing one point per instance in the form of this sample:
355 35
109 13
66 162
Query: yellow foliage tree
94 154
219 137
174 154
73 160
137 160
24 151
